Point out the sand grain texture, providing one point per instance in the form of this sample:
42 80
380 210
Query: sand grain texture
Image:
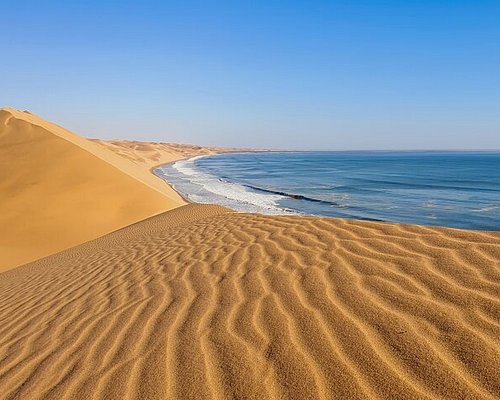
203 303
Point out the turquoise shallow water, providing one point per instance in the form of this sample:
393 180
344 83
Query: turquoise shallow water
454 189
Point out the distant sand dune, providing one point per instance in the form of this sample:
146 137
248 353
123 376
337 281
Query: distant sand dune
200 302
150 154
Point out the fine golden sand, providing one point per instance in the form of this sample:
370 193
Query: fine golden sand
200 302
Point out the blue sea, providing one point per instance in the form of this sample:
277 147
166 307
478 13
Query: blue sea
453 189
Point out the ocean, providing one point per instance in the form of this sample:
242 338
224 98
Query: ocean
453 189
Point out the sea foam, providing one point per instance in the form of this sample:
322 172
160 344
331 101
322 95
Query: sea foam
203 187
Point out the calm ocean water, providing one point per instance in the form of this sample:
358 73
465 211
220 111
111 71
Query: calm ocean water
454 189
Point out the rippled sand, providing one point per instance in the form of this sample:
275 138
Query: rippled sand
200 302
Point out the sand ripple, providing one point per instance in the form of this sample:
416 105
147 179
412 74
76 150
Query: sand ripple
204 303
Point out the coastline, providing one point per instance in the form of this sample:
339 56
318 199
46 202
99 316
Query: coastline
202 185
227 200
152 171
170 163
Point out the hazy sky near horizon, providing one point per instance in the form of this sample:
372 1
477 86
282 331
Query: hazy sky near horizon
281 74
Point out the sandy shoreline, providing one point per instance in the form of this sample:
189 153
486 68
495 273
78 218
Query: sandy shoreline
200 302
152 170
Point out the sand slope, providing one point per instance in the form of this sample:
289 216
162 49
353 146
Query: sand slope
203 303
58 189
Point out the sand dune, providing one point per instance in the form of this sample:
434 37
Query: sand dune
200 302
50 176
151 154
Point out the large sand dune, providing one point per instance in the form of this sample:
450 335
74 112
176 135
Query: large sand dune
200 302
58 189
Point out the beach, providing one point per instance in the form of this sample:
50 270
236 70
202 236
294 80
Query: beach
115 288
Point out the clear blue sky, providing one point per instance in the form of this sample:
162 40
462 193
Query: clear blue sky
284 74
